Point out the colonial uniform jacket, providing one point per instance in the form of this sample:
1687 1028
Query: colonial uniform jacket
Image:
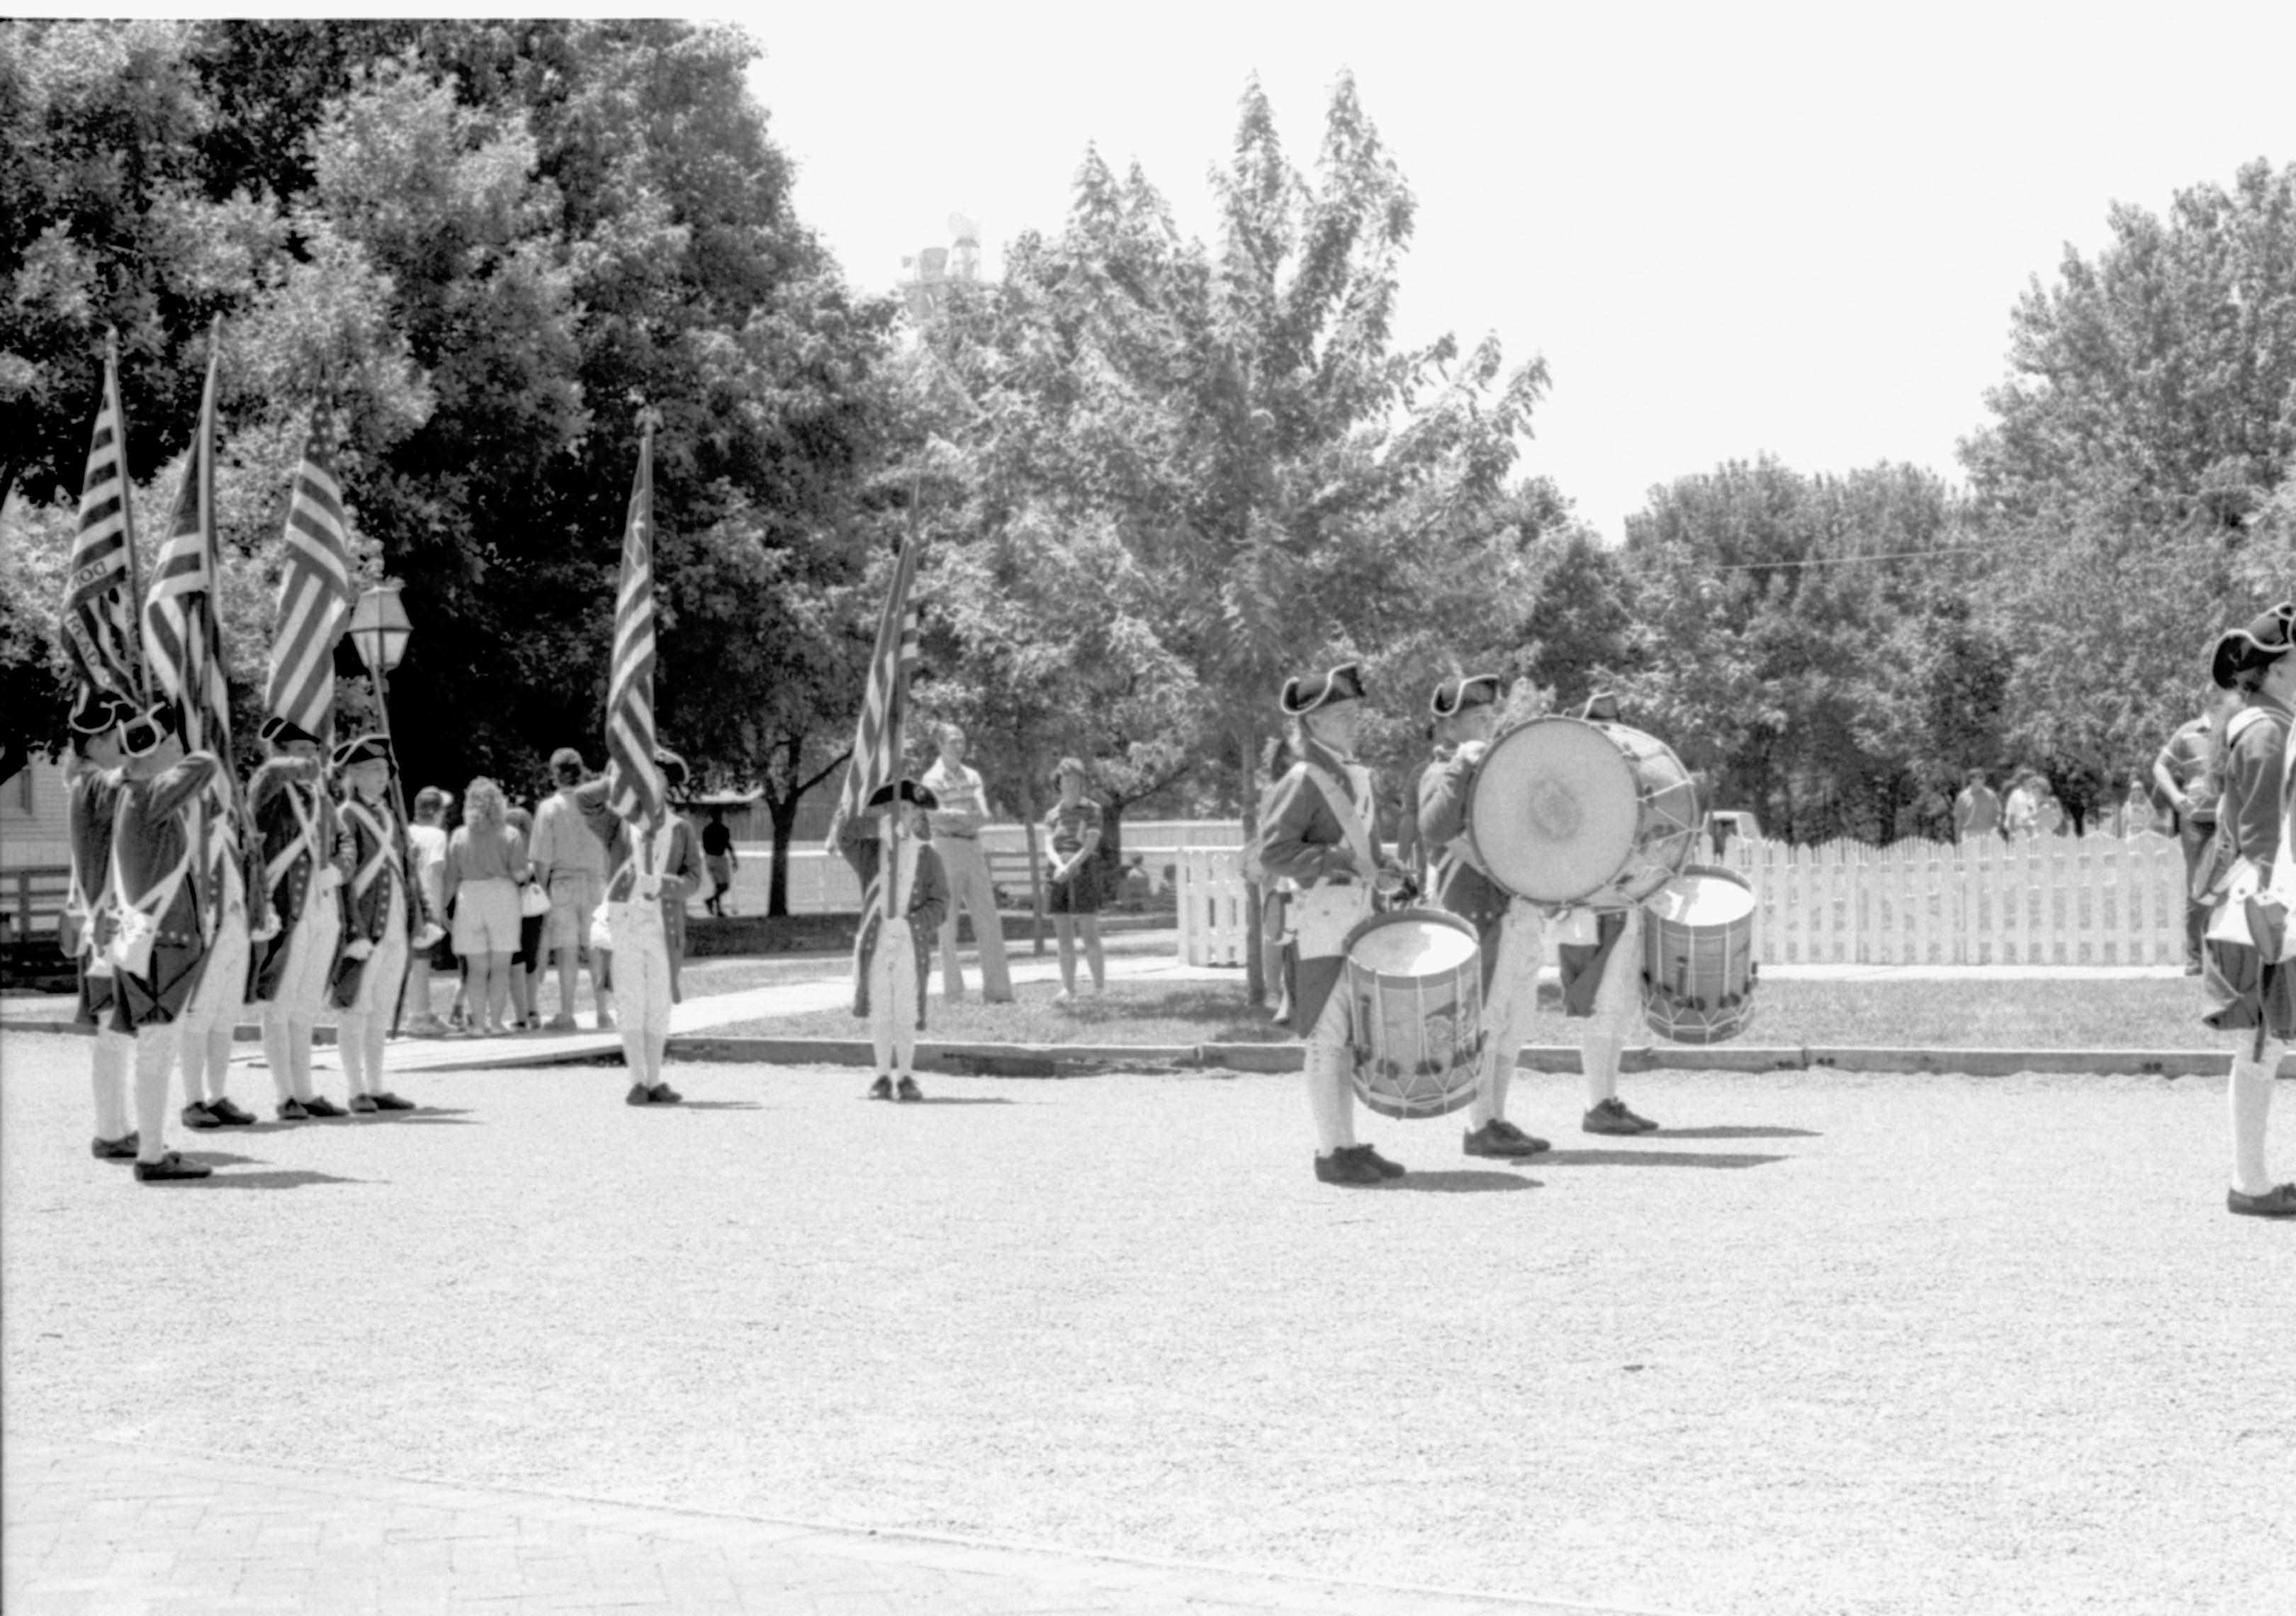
681 872
287 859
367 829
95 798
153 832
2243 990
928 908
1302 839
1460 886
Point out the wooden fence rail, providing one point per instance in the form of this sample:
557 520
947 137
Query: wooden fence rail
2094 901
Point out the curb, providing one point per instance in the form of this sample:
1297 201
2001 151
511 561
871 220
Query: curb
1095 1060
1101 1060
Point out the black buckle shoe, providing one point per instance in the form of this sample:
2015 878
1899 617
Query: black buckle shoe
384 1100
122 1149
883 1088
1385 1168
197 1115
2279 1201
319 1106
1501 1138
662 1094
1612 1117
909 1091
1348 1165
230 1115
170 1168
292 1109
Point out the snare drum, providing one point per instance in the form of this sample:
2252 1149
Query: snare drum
1415 986
1698 957
1566 811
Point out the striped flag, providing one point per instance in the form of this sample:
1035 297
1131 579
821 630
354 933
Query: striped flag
315 589
180 630
98 625
877 738
639 794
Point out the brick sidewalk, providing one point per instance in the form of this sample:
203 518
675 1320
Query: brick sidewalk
95 1527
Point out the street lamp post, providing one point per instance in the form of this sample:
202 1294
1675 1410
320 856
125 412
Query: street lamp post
379 631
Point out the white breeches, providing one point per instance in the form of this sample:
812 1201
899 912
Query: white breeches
1331 1082
364 1026
203 1031
289 1014
893 998
641 985
1514 1000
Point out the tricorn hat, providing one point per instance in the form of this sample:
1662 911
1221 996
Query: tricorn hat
99 711
362 748
1455 696
1304 695
2265 639
672 766
908 791
1601 708
142 732
285 732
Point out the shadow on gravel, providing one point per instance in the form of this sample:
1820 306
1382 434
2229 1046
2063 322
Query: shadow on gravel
718 1105
1655 1159
956 1100
1463 1182
286 1178
443 1115
215 1158
1738 1133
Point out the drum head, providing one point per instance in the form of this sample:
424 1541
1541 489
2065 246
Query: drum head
1412 943
1555 811
1704 896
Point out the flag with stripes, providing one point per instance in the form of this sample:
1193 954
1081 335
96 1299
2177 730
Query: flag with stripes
181 634
877 736
315 589
639 794
99 615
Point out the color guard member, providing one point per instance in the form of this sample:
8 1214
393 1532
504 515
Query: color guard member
650 870
296 837
382 918
160 942
93 800
894 951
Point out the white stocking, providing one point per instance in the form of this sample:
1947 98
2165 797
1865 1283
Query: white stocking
108 1064
2250 1095
1618 1000
1331 1092
1507 1015
155 1052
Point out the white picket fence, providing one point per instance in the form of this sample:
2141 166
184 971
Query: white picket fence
2094 900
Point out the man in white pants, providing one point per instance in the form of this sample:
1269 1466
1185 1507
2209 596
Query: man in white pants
956 826
95 722
1507 928
650 870
160 942
894 948
236 913
295 835
1322 834
382 919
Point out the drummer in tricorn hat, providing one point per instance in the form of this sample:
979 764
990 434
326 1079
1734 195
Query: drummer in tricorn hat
2251 991
1465 712
1598 955
1321 834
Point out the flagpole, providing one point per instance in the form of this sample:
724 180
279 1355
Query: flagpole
127 510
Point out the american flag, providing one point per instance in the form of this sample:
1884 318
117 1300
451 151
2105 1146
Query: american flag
639 795
99 615
315 589
884 711
180 631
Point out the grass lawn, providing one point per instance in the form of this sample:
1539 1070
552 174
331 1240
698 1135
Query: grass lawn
2054 1014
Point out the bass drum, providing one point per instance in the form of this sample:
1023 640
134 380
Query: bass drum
1569 811
1414 985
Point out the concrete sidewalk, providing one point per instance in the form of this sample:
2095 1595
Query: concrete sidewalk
93 1526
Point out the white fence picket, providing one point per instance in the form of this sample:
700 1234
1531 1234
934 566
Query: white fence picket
2094 902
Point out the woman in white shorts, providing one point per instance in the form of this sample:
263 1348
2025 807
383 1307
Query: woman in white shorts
485 866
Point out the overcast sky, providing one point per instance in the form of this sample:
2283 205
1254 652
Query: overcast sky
1731 229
